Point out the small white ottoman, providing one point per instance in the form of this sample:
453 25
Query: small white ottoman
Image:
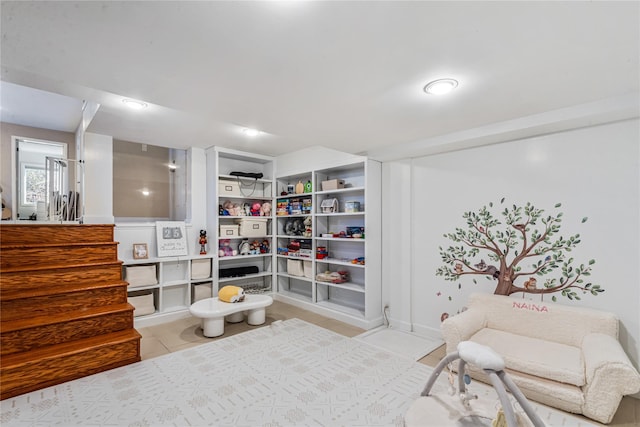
213 311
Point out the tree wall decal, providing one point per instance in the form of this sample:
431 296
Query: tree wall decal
521 247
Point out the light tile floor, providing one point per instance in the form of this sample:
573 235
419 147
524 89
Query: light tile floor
184 333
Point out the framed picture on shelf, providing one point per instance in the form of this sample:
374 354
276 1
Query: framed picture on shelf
140 251
172 238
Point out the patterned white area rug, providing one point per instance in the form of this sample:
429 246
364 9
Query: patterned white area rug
291 373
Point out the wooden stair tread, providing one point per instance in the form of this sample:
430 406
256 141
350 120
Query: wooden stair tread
36 321
5 247
63 289
59 266
11 361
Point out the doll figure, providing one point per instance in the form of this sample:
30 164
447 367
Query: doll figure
203 242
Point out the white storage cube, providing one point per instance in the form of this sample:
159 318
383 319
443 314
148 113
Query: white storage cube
200 268
295 268
143 304
253 226
228 231
307 267
229 188
201 291
140 275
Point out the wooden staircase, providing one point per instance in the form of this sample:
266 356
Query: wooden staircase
63 306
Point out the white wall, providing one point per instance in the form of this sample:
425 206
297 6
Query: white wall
593 172
98 179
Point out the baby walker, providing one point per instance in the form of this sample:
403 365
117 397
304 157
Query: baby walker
464 409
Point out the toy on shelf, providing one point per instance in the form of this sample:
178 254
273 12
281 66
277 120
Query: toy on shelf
244 247
265 209
256 247
329 206
359 261
321 252
231 209
203 242
333 277
283 251
294 227
307 227
282 207
225 249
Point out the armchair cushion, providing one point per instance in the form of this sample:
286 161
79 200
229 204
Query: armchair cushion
545 359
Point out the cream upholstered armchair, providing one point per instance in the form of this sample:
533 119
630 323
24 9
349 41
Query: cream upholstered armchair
562 356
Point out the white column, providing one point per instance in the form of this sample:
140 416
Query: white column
396 242
98 179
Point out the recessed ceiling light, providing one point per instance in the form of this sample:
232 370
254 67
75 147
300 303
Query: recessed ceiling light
145 192
441 86
251 132
133 104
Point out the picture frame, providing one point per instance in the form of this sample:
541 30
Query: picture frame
172 238
140 251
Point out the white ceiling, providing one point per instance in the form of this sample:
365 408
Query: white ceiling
345 75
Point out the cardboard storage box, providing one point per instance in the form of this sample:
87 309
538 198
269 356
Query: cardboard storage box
143 304
228 231
253 226
229 188
332 184
200 268
140 275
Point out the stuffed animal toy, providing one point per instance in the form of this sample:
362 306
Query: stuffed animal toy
233 209
231 294
225 249
245 247
307 227
265 209
255 209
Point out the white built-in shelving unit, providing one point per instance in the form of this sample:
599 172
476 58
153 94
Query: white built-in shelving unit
223 187
358 300
178 282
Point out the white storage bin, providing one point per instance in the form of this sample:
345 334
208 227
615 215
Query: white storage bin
201 291
140 275
229 188
307 266
200 268
294 267
228 231
143 304
253 226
